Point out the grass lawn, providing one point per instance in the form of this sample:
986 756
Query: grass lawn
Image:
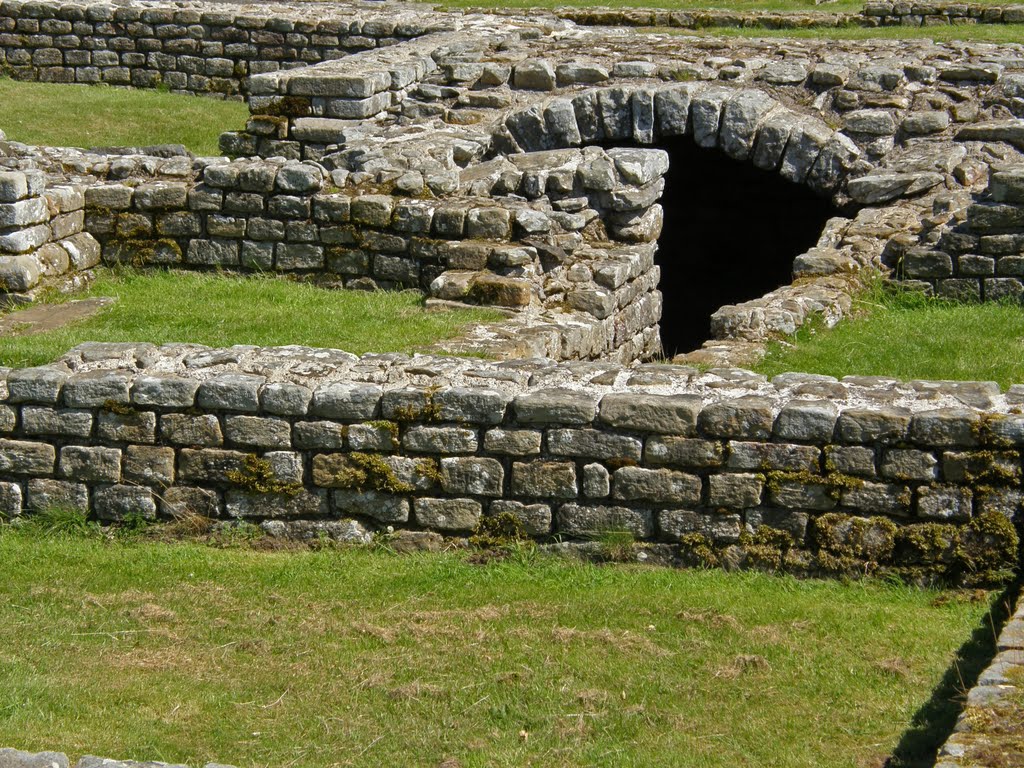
796 6
99 115
909 336
993 33
222 310
185 652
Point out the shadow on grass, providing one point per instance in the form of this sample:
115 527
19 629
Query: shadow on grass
933 723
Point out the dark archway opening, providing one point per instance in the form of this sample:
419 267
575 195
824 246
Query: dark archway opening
731 233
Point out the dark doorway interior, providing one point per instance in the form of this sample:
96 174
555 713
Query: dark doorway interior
731 234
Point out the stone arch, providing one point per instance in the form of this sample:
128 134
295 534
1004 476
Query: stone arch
746 124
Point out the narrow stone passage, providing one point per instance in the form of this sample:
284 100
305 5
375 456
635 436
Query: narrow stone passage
731 233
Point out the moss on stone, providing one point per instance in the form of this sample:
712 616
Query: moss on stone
870 539
834 482
696 549
499 531
257 476
370 470
926 543
987 549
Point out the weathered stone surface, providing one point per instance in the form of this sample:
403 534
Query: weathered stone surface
90 465
164 391
48 495
36 385
806 421
472 475
743 418
593 443
258 432
544 479
592 521
535 518
663 486
116 503
735 491
231 392
65 422
443 440
555 406
380 506
513 442
14 758
347 402
684 452
777 456
667 414
244 504
447 514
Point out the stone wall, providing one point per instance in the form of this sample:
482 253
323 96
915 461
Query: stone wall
805 473
42 236
185 49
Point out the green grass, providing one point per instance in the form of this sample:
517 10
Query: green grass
98 115
161 306
841 6
909 336
183 652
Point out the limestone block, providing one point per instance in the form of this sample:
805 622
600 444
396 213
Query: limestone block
639 166
160 195
735 491
66 422
745 418
213 252
44 495
24 240
353 109
180 429
806 140
489 224
299 179
20 457
883 186
94 389
24 213
36 385
209 465
246 505
924 263
672 108
580 521
772 139
258 432
720 528
555 406
444 440
946 427
319 435
596 483
925 122
534 75
164 391
535 518
793 494
148 465
544 479
706 114
513 442
944 502
285 399
448 514
576 73
872 122
665 414
742 115
472 405
809 421
663 486
90 465
909 464
83 251
348 402
984 466
683 452
593 444
560 124
372 210
354 86
319 130
878 499
380 506
870 425
231 392
19 273
773 456
13 186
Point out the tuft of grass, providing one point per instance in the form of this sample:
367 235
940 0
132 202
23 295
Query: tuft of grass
907 335
100 115
185 653
60 522
163 306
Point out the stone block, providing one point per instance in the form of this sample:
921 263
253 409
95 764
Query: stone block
247 505
720 528
946 427
534 75
45 495
380 506
908 464
90 465
373 437
878 499
448 514
684 452
192 431
181 501
258 432
348 402
319 435
555 406
284 399
662 486
544 479
115 503
945 502
65 422
535 518
664 414
148 465
209 465
468 404
513 442
472 475
596 482
164 391
444 440
795 494
806 421
578 521
749 418
871 425
593 444
95 389
773 456
131 427
735 491
36 385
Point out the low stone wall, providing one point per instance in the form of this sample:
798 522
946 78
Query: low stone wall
42 235
192 49
875 13
988 731
15 758
805 474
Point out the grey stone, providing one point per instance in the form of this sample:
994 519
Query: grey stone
184 501
684 452
96 388
555 406
596 482
63 422
14 758
667 414
706 114
116 503
130 427
366 437
944 502
258 432
720 528
180 429
735 491
149 465
209 465
809 421
664 486
874 122
534 75
477 406
907 464
348 402
243 504
380 506
793 494
947 427
448 514
593 444
45 495
535 518
593 521
165 391
741 117
36 385
19 457
446 440
870 425
472 475
231 392
90 465
878 499
512 442
775 456
284 399
883 186
544 479
745 417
